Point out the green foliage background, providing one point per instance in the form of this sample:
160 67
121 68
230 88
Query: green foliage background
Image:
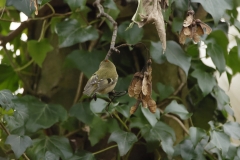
66 42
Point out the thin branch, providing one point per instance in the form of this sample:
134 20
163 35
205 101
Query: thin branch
80 84
104 149
125 126
73 132
8 133
177 120
114 23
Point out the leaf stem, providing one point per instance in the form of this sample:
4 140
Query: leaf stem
125 126
105 149
25 66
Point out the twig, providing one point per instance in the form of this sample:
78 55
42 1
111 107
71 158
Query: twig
8 133
114 23
80 83
105 149
177 120
125 126
72 133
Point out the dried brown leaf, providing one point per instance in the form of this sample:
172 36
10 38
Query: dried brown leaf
133 109
152 105
187 31
196 38
182 37
144 103
138 87
200 31
189 19
204 26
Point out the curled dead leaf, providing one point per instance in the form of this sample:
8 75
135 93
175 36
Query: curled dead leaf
189 19
152 105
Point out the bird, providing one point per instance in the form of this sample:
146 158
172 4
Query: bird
103 81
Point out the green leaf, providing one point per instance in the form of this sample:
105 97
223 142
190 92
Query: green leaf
149 116
70 32
2 3
233 60
8 78
57 145
51 156
82 112
187 150
177 109
82 155
232 129
19 144
42 115
221 141
156 52
160 132
220 38
78 59
216 8
221 97
131 36
205 81
24 6
176 55
196 135
6 97
110 4
124 140
164 90
98 105
39 50
74 4
216 53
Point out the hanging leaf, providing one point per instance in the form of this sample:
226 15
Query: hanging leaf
196 135
74 4
124 140
71 32
157 52
216 8
39 50
82 112
205 81
24 6
19 144
98 105
217 55
177 109
149 116
6 97
78 58
176 55
82 155
221 141
232 129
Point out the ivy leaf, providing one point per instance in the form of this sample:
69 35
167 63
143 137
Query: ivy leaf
222 98
82 155
216 8
131 36
164 90
42 115
124 140
149 116
19 144
6 97
82 112
233 60
187 150
176 55
8 78
39 50
216 53
156 52
177 109
196 135
70 32
232 129
51 156
74 4
160 132
78 59
24 6
110 4
205 81
221 141
98 105
58 145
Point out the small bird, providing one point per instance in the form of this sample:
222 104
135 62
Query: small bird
103 80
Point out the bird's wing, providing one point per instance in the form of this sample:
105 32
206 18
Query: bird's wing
91 85
105 83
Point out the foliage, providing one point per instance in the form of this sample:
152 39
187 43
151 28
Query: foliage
67 37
